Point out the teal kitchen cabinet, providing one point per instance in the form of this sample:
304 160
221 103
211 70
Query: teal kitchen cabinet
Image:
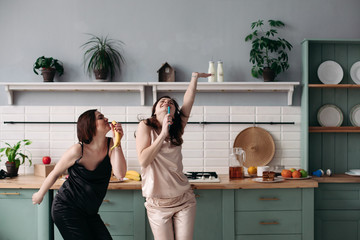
269 214
20 219
334 148
337 211
123 213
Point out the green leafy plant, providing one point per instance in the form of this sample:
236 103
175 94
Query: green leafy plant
102 54
46 63
14 154
268 50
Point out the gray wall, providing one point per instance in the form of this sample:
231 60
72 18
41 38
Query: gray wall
186 33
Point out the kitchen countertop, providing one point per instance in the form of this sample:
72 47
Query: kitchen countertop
34 182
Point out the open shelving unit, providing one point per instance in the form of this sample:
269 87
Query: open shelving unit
333 148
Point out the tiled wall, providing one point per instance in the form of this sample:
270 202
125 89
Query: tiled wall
205 148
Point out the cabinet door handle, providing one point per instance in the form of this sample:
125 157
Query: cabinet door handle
268 223
269 199
197 195
106 201
107 224
9 193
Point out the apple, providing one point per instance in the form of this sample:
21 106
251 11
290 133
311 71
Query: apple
46 160
292 169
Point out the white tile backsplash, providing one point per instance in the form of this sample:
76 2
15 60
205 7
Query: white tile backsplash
205 148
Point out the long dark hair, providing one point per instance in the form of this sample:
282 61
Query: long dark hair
86 126
176 129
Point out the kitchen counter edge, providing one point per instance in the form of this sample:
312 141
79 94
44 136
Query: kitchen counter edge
34 182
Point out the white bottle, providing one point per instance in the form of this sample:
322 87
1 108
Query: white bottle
211 70
220 72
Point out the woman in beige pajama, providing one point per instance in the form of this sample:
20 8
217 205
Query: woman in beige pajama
170 202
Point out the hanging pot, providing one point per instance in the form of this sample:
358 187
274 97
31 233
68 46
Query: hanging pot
268 74
48 74
101 74
12 170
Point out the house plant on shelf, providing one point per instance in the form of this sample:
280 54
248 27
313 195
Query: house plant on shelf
102 56
15 157
49 66
268 53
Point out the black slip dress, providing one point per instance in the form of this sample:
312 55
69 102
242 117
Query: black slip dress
76 205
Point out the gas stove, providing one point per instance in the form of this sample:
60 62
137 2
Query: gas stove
200 177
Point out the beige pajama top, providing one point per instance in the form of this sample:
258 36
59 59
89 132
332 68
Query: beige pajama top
164 177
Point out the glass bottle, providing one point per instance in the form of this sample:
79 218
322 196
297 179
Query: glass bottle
236 163
211 70
220 72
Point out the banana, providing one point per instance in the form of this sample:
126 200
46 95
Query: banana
118 137
133 175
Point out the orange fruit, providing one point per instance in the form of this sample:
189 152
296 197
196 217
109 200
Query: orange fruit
252 170
286 173
296 174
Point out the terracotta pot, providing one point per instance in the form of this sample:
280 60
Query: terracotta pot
12 170
101 74
268 74
48 74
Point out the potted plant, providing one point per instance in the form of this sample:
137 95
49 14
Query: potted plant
102 56
268 52
49 66
15 157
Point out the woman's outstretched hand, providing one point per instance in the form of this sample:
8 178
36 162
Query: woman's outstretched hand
200 75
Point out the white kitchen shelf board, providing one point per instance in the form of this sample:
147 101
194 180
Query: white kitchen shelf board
287 87
75 86
227 87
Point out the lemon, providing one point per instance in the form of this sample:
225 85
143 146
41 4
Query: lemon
252 170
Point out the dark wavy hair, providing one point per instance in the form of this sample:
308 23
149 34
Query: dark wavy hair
176 129
86 126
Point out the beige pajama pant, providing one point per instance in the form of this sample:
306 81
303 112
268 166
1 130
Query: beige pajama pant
172 218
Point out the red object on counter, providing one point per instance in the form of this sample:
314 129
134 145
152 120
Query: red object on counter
46 160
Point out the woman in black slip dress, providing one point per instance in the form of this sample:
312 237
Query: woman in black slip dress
89 164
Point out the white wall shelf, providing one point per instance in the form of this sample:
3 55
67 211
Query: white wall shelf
75 86
287 87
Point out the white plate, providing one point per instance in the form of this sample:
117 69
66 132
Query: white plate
330 72
117 181
261 180
330 116
355 171
355 116
302 178
355 72
352 174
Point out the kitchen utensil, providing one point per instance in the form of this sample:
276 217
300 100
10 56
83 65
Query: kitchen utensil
355 115
352 174
258 145
261 169
260 180
330 115
355 72
330 72
355 171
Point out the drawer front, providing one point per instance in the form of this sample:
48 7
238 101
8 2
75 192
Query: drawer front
268 222
337 196
268 199
119 223
16 193
268 237
118 201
